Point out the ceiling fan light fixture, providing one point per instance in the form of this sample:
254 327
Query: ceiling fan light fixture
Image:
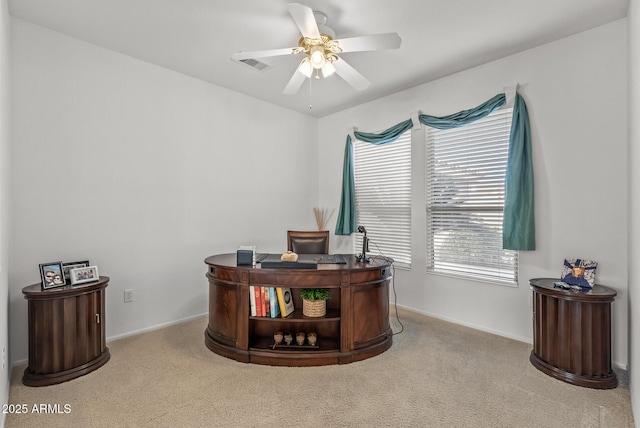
328 69
305 67
320 50
317 58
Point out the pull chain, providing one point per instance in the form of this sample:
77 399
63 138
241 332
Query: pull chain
310 79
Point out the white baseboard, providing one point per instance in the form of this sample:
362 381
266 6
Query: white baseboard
466 324
155 327
615 364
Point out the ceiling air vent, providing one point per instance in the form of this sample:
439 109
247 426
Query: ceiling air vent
254 64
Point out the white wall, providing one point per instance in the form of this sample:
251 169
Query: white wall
575 91
634 204
145 172
5 196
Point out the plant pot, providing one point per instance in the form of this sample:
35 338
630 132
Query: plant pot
315 308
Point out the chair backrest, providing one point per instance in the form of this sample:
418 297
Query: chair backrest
300 242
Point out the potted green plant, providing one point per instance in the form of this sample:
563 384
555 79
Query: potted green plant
314 301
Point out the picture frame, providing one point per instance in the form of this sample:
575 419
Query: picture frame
83 275
579 272
67 266
51 275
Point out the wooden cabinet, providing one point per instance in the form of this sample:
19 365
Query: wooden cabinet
572 334
355 327
66 332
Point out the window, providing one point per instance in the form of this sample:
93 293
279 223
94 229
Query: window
465 199
383 197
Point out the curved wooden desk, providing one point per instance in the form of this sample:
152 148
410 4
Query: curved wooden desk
572 334
355 327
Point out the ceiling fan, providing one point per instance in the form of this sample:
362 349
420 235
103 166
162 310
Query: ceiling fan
321 50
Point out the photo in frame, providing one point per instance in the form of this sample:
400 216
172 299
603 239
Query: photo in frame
67 266
83 275
579 272
51 275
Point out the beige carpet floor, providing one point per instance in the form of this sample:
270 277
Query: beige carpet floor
436 374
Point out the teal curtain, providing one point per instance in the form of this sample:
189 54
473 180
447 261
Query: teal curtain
346 223
520 140
464 117
387 136
518 225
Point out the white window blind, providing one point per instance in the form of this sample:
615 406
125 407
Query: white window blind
383 197
465 199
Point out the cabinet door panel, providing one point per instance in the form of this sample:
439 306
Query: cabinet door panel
223 311
75 308
45 350
88 327
371 314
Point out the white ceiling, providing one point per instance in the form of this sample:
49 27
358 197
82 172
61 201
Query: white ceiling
197 38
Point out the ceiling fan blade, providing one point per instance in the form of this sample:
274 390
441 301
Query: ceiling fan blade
295 83
370 43
261 54
351 75
304 19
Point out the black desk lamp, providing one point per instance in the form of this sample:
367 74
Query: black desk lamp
362 258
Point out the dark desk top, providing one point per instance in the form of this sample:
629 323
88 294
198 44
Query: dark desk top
229 260
597 293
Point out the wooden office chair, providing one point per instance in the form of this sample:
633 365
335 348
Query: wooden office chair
316 242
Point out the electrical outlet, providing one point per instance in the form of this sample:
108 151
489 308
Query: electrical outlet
128 296
4 357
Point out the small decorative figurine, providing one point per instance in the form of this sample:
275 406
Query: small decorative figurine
288 338
300 338
312 338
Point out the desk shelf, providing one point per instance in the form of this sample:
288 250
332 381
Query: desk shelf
333 314
326 344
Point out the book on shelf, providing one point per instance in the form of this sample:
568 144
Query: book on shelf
265 302
273 299
252 301
258 294
285 299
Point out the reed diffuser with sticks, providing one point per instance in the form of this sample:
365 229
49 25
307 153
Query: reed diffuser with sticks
322 218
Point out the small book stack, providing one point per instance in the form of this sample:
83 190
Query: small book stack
272 302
